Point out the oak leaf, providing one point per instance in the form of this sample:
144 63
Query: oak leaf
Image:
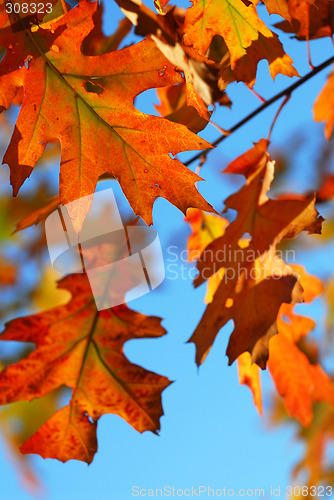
279 7
255 280
180 104
287 358
241 28
297 380
300 382
200 73
205 229
308 19
86 103
96 43
82 348
250 375
323 109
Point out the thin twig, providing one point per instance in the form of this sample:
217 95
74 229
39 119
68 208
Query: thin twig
263 106
262 99
309 51
218 127
277 115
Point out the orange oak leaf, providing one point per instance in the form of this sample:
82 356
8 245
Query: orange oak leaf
82 348
308 19
247 37
67 435
201 74
323 109
280 7
256 166
313 287
206 228
96 43
256 281
86 103
249 374
180 104
297 380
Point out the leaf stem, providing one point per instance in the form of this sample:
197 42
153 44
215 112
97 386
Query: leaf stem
309 52
277 115
263 106
256 94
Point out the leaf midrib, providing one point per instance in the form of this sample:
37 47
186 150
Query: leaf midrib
92 110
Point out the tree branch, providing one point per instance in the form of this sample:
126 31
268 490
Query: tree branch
263 106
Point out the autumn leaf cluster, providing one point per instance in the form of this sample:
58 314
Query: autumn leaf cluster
76 90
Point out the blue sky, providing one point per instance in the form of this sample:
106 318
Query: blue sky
211 434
